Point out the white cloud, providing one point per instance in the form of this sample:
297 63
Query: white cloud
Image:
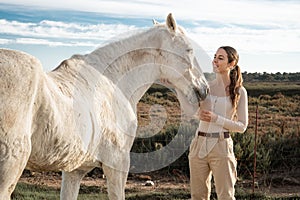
56 33
227 11
247 40
34 41
5 41
54 29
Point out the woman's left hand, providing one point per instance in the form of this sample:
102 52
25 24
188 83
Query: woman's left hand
208 116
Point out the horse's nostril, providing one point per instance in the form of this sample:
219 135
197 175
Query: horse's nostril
207 90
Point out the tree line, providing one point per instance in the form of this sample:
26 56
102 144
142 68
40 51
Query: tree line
271 77
265 77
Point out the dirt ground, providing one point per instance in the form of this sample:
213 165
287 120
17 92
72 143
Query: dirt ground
134 181
137 182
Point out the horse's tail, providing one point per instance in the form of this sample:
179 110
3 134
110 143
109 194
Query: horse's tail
19 80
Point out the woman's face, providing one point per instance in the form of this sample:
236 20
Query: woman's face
220 62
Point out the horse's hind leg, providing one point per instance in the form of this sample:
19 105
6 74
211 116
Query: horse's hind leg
116 181
19 75
71 184
14 153
15 137
15 146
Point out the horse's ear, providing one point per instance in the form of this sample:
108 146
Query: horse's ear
171 23
154 22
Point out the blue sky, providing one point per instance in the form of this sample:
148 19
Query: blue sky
265 32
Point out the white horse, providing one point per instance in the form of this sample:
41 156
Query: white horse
82 115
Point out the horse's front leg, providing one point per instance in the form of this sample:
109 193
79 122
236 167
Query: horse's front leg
116 181
14 154
71 183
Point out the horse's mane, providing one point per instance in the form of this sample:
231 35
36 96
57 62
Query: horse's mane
123 36
133 33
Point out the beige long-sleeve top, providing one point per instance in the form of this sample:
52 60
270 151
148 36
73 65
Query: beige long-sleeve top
226 120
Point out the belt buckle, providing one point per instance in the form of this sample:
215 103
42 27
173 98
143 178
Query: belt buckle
209 135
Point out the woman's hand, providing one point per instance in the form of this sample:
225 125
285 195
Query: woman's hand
208 116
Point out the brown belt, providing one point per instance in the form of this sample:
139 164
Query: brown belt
213 135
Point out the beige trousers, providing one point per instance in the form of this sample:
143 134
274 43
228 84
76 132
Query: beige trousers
220 163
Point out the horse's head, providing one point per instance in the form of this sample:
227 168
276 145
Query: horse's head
182 69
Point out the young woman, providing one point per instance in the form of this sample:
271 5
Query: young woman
225 110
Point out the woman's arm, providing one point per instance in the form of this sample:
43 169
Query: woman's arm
242 115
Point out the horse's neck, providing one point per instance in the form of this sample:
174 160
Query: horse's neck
106 57
136 82
129 64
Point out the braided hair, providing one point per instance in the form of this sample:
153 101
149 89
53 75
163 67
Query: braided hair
236 80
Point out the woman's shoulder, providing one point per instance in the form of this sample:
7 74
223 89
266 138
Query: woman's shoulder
243 91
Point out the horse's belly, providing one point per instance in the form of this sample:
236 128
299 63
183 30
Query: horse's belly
59 155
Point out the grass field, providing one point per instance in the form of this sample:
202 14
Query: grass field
255 89
26 191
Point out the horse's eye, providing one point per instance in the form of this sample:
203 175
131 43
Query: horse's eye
190 51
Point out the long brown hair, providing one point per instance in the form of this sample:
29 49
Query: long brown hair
236 79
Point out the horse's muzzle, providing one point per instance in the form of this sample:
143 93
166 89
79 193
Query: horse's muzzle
201 93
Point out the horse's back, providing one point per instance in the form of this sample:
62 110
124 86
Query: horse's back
18 70
19 76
